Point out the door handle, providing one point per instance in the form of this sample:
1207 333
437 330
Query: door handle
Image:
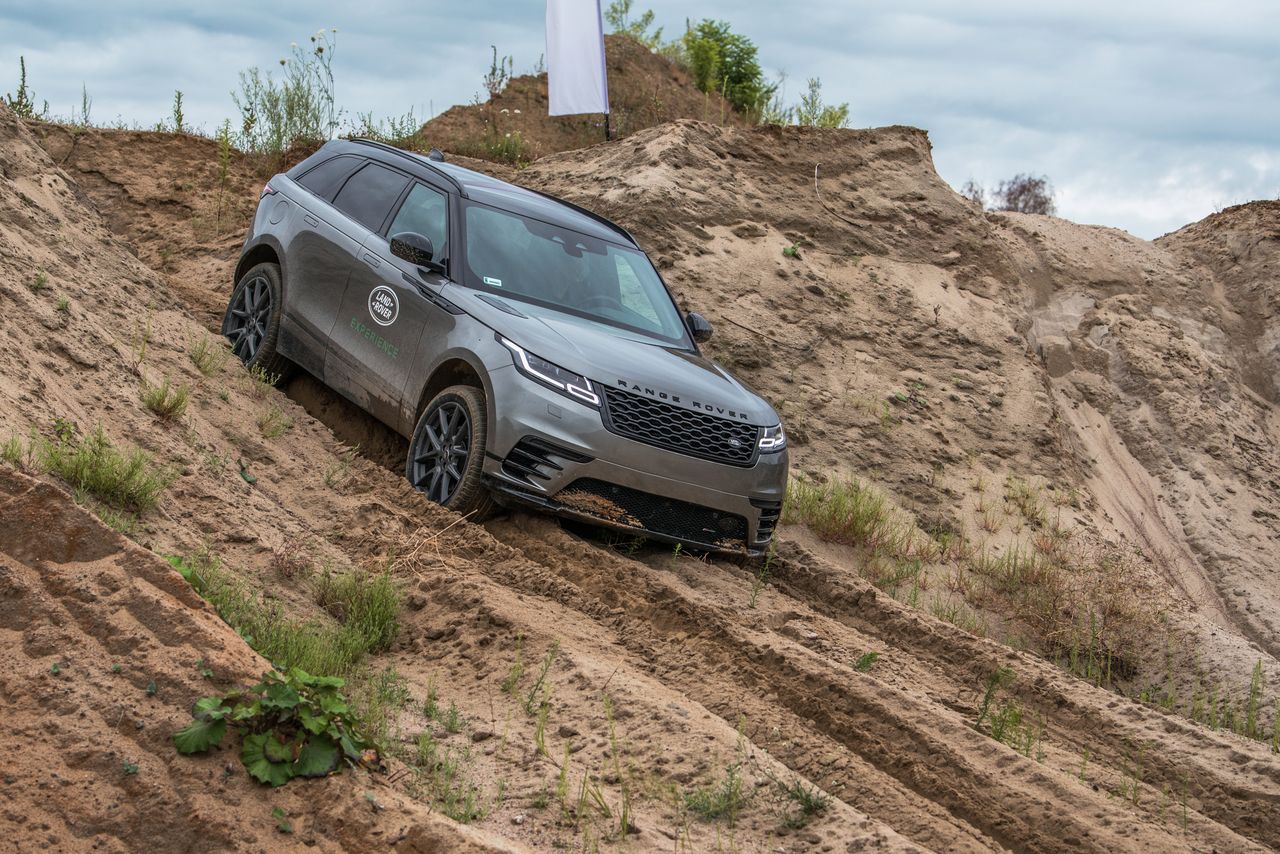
311 221
372 260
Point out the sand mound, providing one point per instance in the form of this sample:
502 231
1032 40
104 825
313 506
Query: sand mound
909 342
645 89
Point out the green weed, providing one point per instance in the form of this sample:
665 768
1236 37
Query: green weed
124 479
864 662
452 719
377 699
12 451
511 684
809 801
274 423
294 725
23 101
615 755
852 513
761 578
721 799
312 646
260 382
166 402
531 699
338 472
366 603
40 283
207 355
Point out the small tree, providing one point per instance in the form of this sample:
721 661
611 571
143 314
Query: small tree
811 112
1025 194
973 191
300 106
725 62
499 74
24 102
619 17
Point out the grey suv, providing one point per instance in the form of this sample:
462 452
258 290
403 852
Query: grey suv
526 347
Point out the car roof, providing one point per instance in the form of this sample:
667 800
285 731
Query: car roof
491 191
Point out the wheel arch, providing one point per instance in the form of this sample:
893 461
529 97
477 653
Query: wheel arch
266 251
455 368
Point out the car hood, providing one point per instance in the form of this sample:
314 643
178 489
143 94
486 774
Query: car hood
618 358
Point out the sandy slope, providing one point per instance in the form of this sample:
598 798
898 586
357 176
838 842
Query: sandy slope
699 681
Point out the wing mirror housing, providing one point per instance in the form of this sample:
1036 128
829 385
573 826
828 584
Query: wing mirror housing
699 326
416 249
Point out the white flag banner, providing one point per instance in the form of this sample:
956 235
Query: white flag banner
576 80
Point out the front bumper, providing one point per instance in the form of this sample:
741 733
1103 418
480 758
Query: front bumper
598 476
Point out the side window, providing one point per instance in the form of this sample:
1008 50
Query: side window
325 179
425 211
368 195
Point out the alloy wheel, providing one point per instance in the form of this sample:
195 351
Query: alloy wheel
249 317
441 450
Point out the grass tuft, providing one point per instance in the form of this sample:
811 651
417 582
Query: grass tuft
274 423
208 355
124 479
721 799
367 603
853 513
164 401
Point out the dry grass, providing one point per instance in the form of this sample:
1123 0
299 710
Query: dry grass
855 514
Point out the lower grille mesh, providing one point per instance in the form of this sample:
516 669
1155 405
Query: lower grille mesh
680 519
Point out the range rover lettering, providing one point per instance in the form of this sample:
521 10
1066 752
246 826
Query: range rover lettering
527 348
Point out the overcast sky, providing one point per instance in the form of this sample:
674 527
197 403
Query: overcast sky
1144 115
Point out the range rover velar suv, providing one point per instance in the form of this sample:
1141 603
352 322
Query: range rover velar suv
527 348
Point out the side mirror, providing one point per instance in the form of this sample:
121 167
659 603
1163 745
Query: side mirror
415 248
699 327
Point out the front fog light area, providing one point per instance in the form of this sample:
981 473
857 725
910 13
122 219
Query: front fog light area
772 439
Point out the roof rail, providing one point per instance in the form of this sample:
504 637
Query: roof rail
421 161
592 214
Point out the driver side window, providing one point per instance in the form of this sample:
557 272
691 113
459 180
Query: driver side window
425 211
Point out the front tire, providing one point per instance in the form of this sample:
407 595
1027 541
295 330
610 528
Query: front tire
447 452
252 321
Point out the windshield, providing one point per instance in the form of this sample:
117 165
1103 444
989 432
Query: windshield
532 261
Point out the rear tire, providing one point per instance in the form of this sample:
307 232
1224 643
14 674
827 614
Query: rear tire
447 451
252 321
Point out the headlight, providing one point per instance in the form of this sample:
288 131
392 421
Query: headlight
540 370
772 439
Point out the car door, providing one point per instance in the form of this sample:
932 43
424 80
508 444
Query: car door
384 314
320 258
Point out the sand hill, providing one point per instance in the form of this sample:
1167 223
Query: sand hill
1063 420
645 89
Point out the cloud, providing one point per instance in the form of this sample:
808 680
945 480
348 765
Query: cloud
1144 115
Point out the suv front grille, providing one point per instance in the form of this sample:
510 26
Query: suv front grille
696 434
623 505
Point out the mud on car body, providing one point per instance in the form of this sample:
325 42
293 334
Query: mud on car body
526 347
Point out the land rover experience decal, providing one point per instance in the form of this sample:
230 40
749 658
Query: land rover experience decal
374 338
384 305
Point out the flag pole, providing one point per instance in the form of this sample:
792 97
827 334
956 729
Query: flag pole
606 127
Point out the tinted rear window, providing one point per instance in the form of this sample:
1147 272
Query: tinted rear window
368 195
325 179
